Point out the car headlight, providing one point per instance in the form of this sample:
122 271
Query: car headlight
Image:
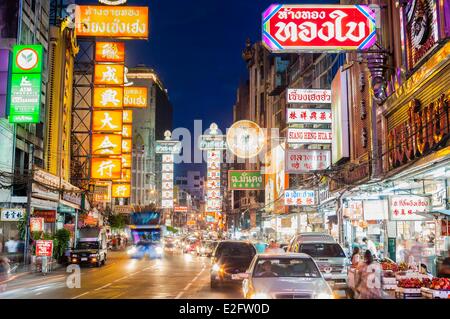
216 267
260 295
158 250
74 255
324 295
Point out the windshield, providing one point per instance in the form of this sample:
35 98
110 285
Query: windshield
87 245
286 267
322 250
146 236
235 250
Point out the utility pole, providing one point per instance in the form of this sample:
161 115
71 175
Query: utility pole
29 191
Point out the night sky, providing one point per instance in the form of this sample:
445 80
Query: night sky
195 46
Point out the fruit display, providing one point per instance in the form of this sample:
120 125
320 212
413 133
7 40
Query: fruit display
440 284
403 266
387 265
414 283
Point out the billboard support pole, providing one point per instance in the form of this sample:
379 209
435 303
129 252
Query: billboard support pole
29 186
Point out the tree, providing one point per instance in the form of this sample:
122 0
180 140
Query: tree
60 243
117 221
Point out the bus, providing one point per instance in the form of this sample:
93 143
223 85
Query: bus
146 235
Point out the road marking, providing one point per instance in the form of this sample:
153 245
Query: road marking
189 284
80 295
107 285
38 293
121 279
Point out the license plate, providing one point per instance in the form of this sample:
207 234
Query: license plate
83 259
235 276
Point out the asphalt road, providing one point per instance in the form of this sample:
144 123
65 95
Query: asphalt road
180 276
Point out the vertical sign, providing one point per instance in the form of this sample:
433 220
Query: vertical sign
25 84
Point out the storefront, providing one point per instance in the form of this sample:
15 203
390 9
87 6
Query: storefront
416 162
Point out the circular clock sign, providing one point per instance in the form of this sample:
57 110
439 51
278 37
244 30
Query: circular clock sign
245 139
27 59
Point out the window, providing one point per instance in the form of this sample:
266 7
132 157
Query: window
286 267
184 183
196 177
322 250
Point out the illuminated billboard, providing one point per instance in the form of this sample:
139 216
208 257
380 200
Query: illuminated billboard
106 144
107 121
108 97
106 168
110 52
135 96
109 74
127 22
121 190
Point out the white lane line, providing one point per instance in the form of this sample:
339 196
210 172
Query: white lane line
107 285
189 284
80 295
38 293
121 279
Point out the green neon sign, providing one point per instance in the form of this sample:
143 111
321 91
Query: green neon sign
25 98
27 58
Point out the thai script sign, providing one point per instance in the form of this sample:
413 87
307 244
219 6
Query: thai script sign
405 207
125 22
299 197
245 180
135 96
303 161
168 147
308 96
316 116
212 142
308 136
290 28
44 248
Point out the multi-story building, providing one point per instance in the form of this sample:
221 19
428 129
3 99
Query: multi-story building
149 125
193 183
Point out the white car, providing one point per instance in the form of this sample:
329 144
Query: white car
284 276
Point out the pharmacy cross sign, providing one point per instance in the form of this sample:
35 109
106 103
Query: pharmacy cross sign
331 28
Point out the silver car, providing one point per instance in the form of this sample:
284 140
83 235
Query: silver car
284 276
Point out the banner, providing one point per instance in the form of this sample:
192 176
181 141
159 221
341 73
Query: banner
308 116
245 180
310 96
44 248
309 136
299 197
406 207
304 160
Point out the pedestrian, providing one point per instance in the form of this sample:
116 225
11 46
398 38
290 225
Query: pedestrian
356 258
368 284
4 272
444 269
371 246
119 242
11 246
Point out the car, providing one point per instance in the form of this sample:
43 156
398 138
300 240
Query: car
284 276
230 258
328 254
190 245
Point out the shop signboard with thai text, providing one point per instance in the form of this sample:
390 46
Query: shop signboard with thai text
293 28
135 97
299 197
245 180
304 160
309 96
409 207
125 22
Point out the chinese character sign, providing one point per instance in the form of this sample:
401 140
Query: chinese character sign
214 196
299 197
107 121
313 116
36 224
127 117
127 22
108 97
167 182
406 207
303 160
11 214
109 74
292 28
110 52
106 144
121 190
106 168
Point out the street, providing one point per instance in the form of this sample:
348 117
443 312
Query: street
175 276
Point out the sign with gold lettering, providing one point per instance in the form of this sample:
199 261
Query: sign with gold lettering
107 121
106 144
106 168
121 190
110 52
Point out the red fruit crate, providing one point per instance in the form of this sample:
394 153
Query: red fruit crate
408 293
435 294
